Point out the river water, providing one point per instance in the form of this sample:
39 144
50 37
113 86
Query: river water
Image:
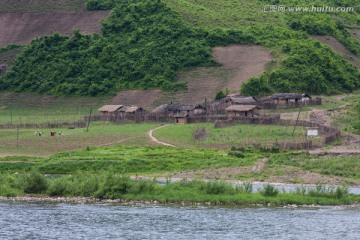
96 221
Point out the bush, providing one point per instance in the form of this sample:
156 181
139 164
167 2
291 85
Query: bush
269 191
217 188
34 182
220 95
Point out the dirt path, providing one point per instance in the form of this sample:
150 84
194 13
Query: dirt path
154 139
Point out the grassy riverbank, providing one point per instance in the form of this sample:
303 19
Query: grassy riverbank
111 186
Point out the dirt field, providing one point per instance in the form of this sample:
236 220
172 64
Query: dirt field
338 47
237 63
22 28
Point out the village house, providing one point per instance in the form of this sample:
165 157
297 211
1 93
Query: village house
246 111
176 108
109 110
114 110
241 100
181 118
130 110
291 98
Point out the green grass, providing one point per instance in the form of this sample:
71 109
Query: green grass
224 13
127 160
348 167
110 186
219 138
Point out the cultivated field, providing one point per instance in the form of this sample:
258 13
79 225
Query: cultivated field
100 134
225 138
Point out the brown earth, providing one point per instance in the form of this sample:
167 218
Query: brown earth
22 28
237 63
338 47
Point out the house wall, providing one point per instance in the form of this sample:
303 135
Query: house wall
180 120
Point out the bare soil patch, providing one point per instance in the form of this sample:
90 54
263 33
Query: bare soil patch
237 63
22 28
338 47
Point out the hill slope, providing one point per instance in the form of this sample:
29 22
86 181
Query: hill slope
144 44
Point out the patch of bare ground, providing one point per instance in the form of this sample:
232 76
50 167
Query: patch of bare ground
237 63
338 47
22 28
355 33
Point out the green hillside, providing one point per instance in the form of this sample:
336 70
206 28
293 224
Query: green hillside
143 44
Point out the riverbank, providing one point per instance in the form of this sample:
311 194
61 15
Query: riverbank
111 188
92 200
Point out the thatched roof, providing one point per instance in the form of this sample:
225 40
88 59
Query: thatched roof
243 100
110 108
133 109
175 107
181 115
241 108
290 96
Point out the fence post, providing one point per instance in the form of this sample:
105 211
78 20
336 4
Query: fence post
87 128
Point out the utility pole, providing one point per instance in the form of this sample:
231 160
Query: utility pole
88 123
17 137
297 119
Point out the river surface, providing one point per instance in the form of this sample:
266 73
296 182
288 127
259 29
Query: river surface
96 221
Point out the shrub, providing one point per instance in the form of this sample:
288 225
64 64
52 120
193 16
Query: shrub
269 191
220 95
217 187
199 133
34 182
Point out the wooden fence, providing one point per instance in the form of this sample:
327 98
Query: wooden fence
77 124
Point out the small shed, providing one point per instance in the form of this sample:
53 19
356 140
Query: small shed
312 132
243 110
109 109
181 118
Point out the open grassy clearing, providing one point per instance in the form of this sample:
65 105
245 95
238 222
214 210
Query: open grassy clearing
99 134
225 138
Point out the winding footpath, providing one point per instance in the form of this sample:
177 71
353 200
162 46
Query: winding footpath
154 139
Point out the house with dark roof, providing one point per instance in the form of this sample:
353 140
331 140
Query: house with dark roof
246 111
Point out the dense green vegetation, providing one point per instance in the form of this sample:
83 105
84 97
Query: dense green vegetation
144 43
126 160
111 186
